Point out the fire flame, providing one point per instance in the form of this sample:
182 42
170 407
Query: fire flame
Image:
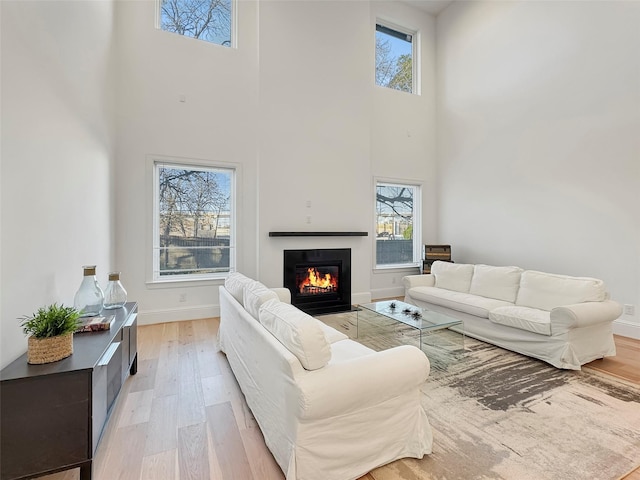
318 280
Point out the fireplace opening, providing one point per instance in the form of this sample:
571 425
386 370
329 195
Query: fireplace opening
319 279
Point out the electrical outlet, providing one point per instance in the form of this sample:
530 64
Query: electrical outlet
629 309
182 298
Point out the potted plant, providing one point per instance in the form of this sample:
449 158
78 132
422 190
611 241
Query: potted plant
50 332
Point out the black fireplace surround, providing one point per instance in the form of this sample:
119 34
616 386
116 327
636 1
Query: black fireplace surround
319 279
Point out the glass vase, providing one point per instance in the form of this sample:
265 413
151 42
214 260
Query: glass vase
115 296
89 298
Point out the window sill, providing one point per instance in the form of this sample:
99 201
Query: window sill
396 268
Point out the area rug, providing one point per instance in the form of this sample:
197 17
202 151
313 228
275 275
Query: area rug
496 414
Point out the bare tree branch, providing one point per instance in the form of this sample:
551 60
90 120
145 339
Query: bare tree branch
391 71
204 19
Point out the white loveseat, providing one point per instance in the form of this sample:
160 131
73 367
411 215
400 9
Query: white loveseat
565 321
329 408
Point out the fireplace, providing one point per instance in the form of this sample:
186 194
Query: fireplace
319 280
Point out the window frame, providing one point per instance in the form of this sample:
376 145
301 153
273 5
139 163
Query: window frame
415 52
233 26
153 163
416 223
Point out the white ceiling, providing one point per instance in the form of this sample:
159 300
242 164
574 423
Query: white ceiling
433 7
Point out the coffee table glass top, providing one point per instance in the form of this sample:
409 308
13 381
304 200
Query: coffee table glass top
416 317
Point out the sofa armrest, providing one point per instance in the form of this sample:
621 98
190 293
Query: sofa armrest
284 295
361 382
584 314
411 281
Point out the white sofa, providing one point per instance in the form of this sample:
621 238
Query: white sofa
565 321
328 407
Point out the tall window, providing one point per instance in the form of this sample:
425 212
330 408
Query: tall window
208 20
395 58
193 235
398 236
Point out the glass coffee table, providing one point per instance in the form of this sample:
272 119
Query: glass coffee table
392 314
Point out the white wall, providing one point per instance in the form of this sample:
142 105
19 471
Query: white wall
327 130
539 139
537 127
314 129
538 130
293 106
403 135
57 155
217 123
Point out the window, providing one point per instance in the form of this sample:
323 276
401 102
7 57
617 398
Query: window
398 235
394 58
208 20
193 232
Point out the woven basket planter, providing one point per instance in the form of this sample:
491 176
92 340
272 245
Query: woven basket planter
47 350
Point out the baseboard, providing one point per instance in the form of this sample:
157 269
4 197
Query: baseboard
387 292
359 298
626 329
149 317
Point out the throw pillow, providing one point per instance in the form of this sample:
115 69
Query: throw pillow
298 332
547 290
452 276
255 294
235 283
500 283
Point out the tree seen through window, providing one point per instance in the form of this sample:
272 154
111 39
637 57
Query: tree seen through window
394 59
194 220
208 20
397 224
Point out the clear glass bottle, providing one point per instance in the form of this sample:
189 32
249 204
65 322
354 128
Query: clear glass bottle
89 298
115 296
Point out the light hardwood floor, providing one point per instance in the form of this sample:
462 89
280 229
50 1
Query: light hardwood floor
183 417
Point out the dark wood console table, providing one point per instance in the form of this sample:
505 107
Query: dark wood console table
52 415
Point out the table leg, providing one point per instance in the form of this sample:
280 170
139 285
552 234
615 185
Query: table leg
134 365
85 471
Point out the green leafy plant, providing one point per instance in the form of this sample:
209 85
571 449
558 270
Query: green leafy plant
51 321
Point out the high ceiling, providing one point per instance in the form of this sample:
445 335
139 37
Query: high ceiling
433 7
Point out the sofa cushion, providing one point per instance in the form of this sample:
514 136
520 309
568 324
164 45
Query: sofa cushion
452 276
300 333
345 350
254 295
501 283
462 302
331 334
235 283
547 291
525 318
